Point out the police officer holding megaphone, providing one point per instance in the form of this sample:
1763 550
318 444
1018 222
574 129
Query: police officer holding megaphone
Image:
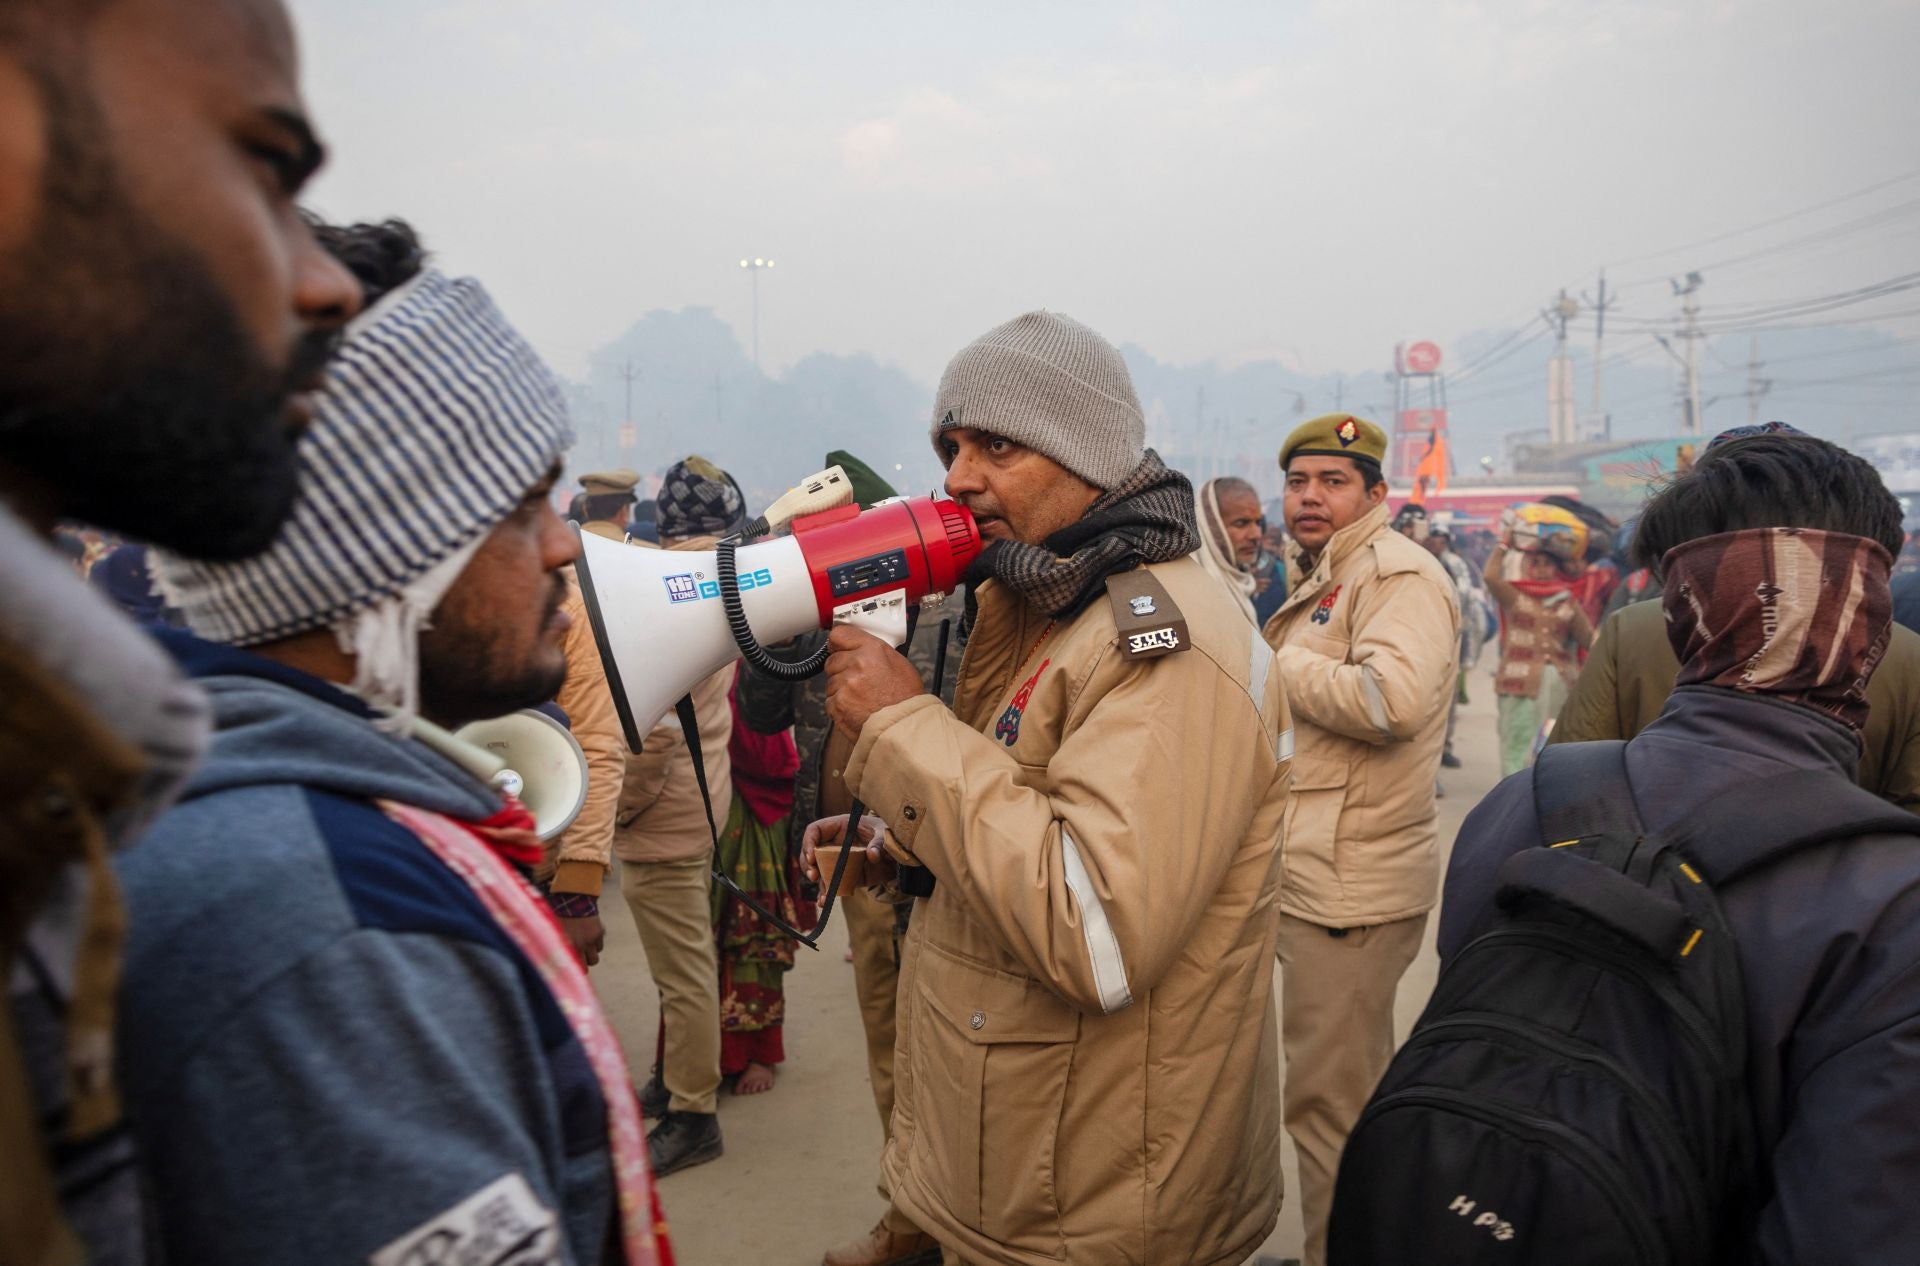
1097 822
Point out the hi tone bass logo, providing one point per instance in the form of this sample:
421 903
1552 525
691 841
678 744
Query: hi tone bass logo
693 586
1324 612
1007 729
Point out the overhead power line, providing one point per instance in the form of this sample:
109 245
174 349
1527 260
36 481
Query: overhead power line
1767 224
1492 354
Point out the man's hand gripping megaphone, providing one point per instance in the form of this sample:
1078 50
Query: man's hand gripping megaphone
870 571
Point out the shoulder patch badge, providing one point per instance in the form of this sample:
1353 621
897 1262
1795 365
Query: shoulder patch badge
1007 729
1324 612
1145 615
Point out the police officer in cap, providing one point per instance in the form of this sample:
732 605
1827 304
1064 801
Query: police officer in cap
609 498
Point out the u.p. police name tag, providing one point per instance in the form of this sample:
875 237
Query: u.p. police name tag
1147 620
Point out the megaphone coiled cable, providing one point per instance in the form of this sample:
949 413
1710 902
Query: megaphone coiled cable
750 649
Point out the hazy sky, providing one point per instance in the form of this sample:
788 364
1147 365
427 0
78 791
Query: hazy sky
1307 182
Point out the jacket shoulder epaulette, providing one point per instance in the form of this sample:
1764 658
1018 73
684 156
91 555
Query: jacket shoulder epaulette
1149 622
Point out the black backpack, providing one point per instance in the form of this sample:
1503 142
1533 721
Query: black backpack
1574 1092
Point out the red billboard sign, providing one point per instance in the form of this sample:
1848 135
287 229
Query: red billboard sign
1422 357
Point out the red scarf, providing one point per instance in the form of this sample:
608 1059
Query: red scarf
511 834
764 766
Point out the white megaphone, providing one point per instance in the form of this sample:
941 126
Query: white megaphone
525 754
660 617
541 763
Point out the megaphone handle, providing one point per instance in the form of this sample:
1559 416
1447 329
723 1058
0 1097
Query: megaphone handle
690 729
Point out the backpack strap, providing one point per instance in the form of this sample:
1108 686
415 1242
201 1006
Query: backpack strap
1756 823
1580 792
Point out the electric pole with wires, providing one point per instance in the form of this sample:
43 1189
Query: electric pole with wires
1599 426
1690 332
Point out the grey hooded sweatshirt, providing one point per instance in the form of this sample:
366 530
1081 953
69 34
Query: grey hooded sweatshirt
333 1054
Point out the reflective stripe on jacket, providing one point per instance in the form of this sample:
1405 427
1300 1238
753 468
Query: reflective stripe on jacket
1087 1055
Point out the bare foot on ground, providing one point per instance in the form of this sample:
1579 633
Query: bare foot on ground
756 1079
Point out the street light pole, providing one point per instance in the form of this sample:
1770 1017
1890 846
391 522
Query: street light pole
753 267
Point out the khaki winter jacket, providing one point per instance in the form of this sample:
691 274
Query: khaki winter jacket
584 850
1086 1059
1368 643
660 818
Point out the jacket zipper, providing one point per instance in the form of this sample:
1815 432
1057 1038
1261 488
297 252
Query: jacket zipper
1477 1023
1692 1023
1598 1165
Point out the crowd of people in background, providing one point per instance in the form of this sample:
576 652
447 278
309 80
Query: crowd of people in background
292 980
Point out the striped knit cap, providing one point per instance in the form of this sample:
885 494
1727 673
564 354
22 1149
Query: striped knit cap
436 419
1048 382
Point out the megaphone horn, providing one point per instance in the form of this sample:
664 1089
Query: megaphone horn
542 764
661 624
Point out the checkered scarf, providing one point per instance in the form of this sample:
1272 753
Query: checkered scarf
1795 614
1148 517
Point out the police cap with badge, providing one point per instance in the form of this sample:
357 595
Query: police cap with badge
1336 435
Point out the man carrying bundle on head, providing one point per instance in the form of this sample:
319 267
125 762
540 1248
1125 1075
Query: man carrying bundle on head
1543 628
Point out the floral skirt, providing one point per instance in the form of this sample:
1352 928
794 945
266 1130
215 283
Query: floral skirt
754 955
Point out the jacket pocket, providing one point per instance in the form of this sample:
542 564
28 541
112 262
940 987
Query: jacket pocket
1310 870
993 1055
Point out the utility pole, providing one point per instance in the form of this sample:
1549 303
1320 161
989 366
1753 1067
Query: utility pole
754 268
1600 306
1756 385
1690 331
629 374
1562 424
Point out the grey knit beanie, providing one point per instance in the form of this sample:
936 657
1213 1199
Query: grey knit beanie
1052 384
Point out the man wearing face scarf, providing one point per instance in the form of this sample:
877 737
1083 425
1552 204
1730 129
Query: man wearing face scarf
1775 553
1630 673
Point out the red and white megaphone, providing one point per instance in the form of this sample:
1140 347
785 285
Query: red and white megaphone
660 617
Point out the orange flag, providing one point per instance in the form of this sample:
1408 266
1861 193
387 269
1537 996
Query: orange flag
1431 473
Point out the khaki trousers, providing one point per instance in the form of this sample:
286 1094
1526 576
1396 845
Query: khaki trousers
673 910
1336 1024
876 980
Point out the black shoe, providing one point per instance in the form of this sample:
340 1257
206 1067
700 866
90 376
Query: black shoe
683 1139
1449 761
654 1097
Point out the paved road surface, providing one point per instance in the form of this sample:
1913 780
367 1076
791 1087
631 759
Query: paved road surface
798 1174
